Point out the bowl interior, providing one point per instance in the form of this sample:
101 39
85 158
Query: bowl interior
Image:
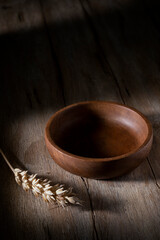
98 130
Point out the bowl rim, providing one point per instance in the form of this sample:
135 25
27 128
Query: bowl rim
49 138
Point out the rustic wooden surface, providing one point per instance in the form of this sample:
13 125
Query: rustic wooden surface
57 52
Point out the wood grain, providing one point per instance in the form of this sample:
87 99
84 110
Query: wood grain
54 53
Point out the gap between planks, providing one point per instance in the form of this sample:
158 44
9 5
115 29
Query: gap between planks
153 173
85 181
60 78
96 38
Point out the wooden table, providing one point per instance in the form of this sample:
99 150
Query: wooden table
57 52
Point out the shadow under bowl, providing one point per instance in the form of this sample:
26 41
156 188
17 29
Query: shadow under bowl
98 139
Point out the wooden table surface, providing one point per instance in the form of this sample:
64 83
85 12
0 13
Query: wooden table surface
57 52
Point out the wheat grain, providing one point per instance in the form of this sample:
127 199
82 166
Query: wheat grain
56 194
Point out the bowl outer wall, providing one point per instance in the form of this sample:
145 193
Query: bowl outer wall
99 169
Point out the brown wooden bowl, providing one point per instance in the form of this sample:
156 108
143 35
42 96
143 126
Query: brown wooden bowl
98 139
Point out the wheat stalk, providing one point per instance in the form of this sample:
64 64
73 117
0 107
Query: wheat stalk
56 194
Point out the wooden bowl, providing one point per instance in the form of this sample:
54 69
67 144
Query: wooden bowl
98 139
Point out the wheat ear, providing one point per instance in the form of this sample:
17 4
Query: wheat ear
56 194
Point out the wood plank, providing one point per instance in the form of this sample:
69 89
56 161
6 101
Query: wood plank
30 92
134 67
139 56
125 208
